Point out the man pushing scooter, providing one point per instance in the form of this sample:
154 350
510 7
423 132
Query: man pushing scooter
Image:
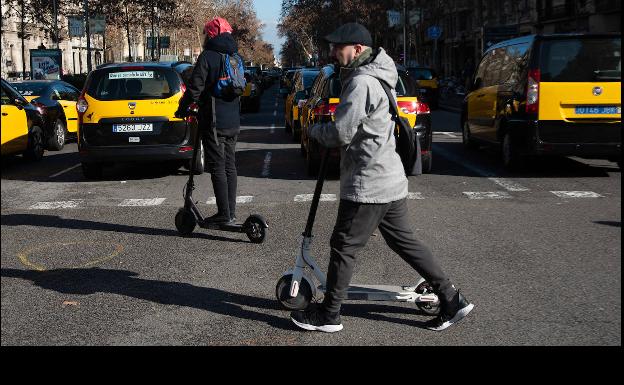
373 185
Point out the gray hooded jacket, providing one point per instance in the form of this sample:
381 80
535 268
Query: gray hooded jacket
371 170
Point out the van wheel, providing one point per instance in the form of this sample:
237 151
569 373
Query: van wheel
512 160
467 137
59 133
35 147
427 163
93 171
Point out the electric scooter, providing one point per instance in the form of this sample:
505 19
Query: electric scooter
296 289
188 217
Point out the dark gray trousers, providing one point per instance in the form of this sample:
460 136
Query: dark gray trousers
355 224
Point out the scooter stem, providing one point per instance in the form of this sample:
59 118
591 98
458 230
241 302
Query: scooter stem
317 193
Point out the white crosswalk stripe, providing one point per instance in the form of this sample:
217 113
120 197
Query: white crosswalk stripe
509 185
415 196
309 197
240 199
56 205
577 194
142 202
488 195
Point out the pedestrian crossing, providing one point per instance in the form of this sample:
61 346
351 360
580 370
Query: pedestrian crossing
301 198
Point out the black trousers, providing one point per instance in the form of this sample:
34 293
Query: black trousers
221 163
355 224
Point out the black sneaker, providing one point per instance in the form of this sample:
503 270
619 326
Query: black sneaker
316 319
217 219
451 313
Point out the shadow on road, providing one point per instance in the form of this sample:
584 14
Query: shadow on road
52 221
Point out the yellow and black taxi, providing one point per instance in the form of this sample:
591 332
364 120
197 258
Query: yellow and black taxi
428 86
22 125
56 100
324 97
126 113
297 96
548 95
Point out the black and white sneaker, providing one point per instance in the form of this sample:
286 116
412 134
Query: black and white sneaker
457 310
316 319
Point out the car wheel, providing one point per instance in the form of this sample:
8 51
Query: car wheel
296 132
93 171
35 148
467 137
512 160
427 163
59 133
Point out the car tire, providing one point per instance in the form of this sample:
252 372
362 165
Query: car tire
296 132
467 140
36 148
427 162
512 159
200 162
92 170
59 135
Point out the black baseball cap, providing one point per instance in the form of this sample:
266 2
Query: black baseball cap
350 33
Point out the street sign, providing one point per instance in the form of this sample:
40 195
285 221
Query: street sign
394 18
434 32
97 24
76 26
46 64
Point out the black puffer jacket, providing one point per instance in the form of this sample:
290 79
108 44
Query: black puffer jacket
205 75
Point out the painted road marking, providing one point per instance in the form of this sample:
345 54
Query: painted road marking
508 184
488 195
415 196
309 197
240 199
577 194
56 205
266 169
65 171
142 202
273 128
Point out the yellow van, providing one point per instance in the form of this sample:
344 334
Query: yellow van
548 95
126 113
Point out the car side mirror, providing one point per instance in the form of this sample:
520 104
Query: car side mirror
19 103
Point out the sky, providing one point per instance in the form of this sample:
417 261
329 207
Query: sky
269 12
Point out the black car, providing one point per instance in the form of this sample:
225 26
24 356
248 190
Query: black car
56 101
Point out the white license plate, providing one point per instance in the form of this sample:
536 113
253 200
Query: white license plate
143 127
134 139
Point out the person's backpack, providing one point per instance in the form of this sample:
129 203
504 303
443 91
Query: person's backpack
231 83
407 143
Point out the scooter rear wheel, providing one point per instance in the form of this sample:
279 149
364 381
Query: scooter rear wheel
301 301
255 230
428 308
185 222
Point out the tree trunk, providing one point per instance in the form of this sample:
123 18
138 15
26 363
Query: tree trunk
128 34
23 28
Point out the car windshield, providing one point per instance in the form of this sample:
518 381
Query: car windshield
405 85
31 88
581 60
139 84
422 73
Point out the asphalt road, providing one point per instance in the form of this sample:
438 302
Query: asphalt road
100 263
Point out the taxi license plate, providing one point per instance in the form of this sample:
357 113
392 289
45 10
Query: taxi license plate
143 127
598 110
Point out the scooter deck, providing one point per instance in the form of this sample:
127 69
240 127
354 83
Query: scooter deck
378 292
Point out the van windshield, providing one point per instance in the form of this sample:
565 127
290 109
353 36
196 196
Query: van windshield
581 60
139 84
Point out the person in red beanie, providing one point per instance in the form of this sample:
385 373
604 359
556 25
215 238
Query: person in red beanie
218 119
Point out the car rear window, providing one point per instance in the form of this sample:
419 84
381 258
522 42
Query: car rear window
581 60
405 86
31 89
135 84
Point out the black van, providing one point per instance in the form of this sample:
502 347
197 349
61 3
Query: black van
548 95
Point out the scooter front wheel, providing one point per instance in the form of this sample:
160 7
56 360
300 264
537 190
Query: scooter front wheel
428 308
301 301
256 230
185 222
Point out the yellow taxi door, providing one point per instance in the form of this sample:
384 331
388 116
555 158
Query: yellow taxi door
14 129
69 97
